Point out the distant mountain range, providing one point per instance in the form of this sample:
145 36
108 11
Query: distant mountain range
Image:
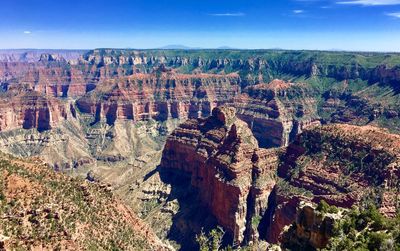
184 47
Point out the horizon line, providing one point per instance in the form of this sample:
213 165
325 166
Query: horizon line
198 49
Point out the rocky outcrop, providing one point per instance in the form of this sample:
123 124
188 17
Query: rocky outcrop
55 79
226 166
159 96
257 64
254 67
340 164
277 111
31 110
311 229
112 107
113 85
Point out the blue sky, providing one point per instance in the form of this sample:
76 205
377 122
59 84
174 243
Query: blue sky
368 25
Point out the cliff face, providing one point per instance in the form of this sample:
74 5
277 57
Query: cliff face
159 96
341 164
224 161
277 111
311 230
31 110
257 66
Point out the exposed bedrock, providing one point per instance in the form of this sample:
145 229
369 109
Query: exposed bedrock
159 96
113 85
343 165
234 177
31 110
255 65
116 108
311 229
275 112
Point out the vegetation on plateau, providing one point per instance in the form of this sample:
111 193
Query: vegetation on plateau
366 229
40 208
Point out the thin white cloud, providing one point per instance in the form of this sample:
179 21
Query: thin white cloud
27 32
370 2
233 14
298 11
393 14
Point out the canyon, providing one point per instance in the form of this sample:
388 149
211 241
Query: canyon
245 135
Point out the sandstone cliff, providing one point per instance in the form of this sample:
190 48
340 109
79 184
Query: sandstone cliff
140 85
160 96
343 165
226 166
311 230
31 110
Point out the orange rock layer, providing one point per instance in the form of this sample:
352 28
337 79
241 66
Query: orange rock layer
234 177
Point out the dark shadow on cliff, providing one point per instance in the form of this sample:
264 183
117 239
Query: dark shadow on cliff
267 218
192 217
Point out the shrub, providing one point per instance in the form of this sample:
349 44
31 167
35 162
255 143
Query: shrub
211 241
376 240
324 208
365 229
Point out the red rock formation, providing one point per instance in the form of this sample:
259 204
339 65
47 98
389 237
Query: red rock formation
277 111
235 178
226 166
311 227
31 110
159 96
113 88
341 164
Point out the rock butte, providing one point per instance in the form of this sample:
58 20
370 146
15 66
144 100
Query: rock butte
234 176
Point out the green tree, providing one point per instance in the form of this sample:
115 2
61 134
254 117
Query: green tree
211 241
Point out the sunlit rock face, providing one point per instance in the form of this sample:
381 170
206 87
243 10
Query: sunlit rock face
226 166
340 164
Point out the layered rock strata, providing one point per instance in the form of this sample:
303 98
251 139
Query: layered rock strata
343 165
159 96
31 110
233 176
140 85
311 230
340 164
